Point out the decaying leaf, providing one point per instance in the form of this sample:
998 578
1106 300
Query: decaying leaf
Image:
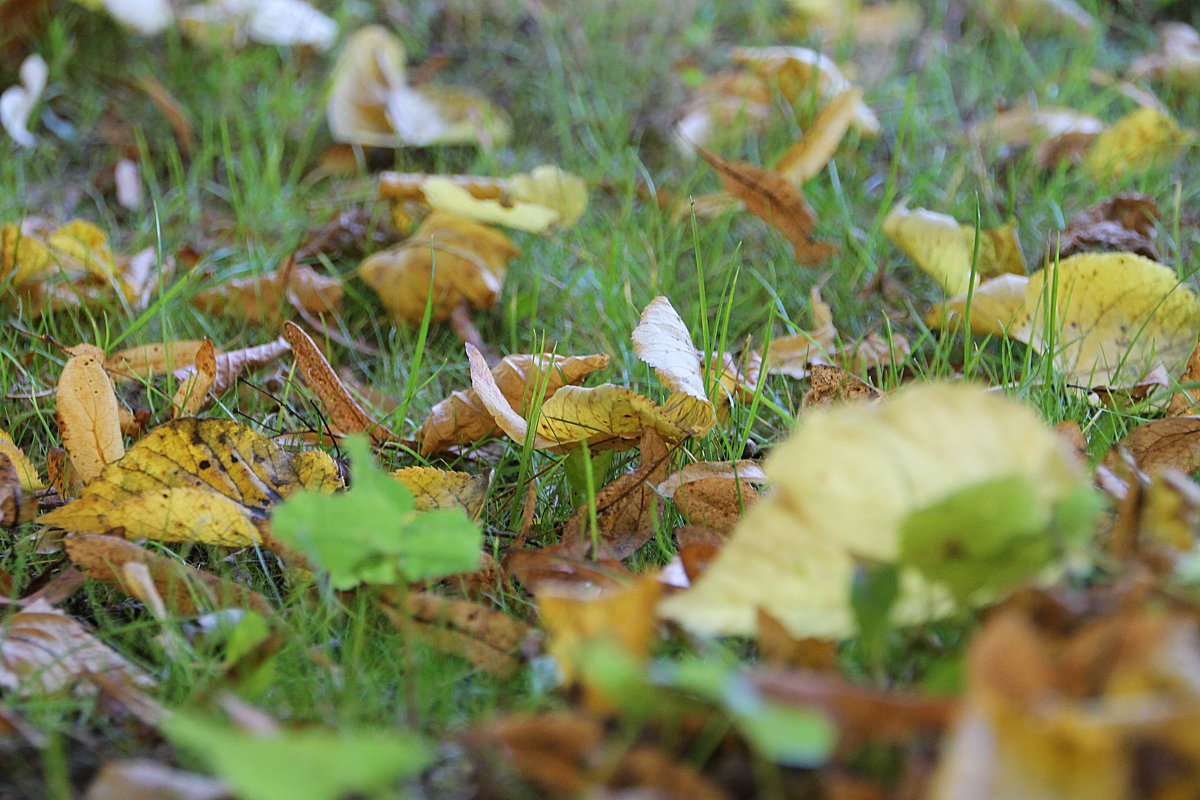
1172 442
1123 222
195 480
831 385
1142 139
231 23
794 552
772 198
462 418
946 250
453 259
372 104
1056 133
148 360
17 102
1176 59
346 416
267 298
44 651
192 394
435 489
488 638
17 505
795 71
88 421
232 365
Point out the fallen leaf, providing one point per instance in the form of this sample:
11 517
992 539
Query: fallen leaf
447 196
554 188
462 418
453 259
487 638
372 104
346 416
17 102
43 651
435 489
1123 222
1187 401
732 100
266 298
17 505
995 306
403 186
192 394
946 250
553 750
232 365
793 554
780 649
230 23
1115 316
146 361
88 420
187 591
808 156
774 200
746 470
195 480
715 503
27 474
1172 442
143 779
1176 59
1051 16
1141 140
829 385
797 70
1057 133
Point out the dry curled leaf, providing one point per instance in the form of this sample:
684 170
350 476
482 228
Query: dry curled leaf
1123 222
89 422
829 385
797 71
346 416
812 152
774 200
232 365
947 251
27 474
192 394
148 360
17 505
715 503
195 480
1057 133
995 306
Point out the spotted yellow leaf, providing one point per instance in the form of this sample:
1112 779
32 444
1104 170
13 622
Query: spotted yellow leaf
435 489
1141 139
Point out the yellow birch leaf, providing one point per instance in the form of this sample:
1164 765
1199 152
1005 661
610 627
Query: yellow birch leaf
554 188
444 194
995 305
793 554
944 249
1140 140
89 422
232 475
27 474
484 384
807 157
1115 314
192 393
614 416
435 489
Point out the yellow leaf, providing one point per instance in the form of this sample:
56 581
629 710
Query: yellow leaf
1115 314
89 422
995 305
202 480
1053 16
22 256
1138 141
807 157
82 247
435 489
471 260
793 554
945 250
446 195
26 473
145 361
192 393
795 70
554 188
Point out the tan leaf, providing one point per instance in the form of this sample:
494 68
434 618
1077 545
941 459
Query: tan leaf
148 360
88 420
548 185
489 639
345 415
232 365
44 651
186 590
435 489
812 152
995 307
779 648
1187 401
407 185
1176 59
266 298
192 394
728 101
773 199
716 503
798 71
560 564
16 504
483 383
746 470
1123 222
463 419
27 474
1171 442
831 385
1144 138
1056 132
447 196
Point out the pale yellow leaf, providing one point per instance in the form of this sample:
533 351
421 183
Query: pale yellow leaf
812 152
446 195
798 70
89 422
945 250
664 342
145 361
548 185
1142 139
435 489
995 304
27 474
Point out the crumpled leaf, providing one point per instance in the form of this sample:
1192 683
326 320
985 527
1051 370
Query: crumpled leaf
1171 442
462 418
1056 132
465 261
232 365
89 422
148 360
44 651
371 103
1175 61
829 385
17 505
211 481
728 100
266 298
1123 222
995 306
794 70
773 199
231 23
945 250
1142 139
17 102
346 416
1116 316
795 551
435 489
192 394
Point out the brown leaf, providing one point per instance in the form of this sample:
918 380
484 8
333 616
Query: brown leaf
43 651
780 649
345 415
145 361
559 564
143 779
746 470
552 750
88 420
831 385
771 198
192 394
463 419
187 591
1123 222
1187 402
1171 442
232 365
266 298
487 638
16 506
716 503
348 234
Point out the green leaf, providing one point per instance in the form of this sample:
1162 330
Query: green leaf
301 765
988 536
579 472
874 590
373 533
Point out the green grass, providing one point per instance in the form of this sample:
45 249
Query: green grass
591 87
